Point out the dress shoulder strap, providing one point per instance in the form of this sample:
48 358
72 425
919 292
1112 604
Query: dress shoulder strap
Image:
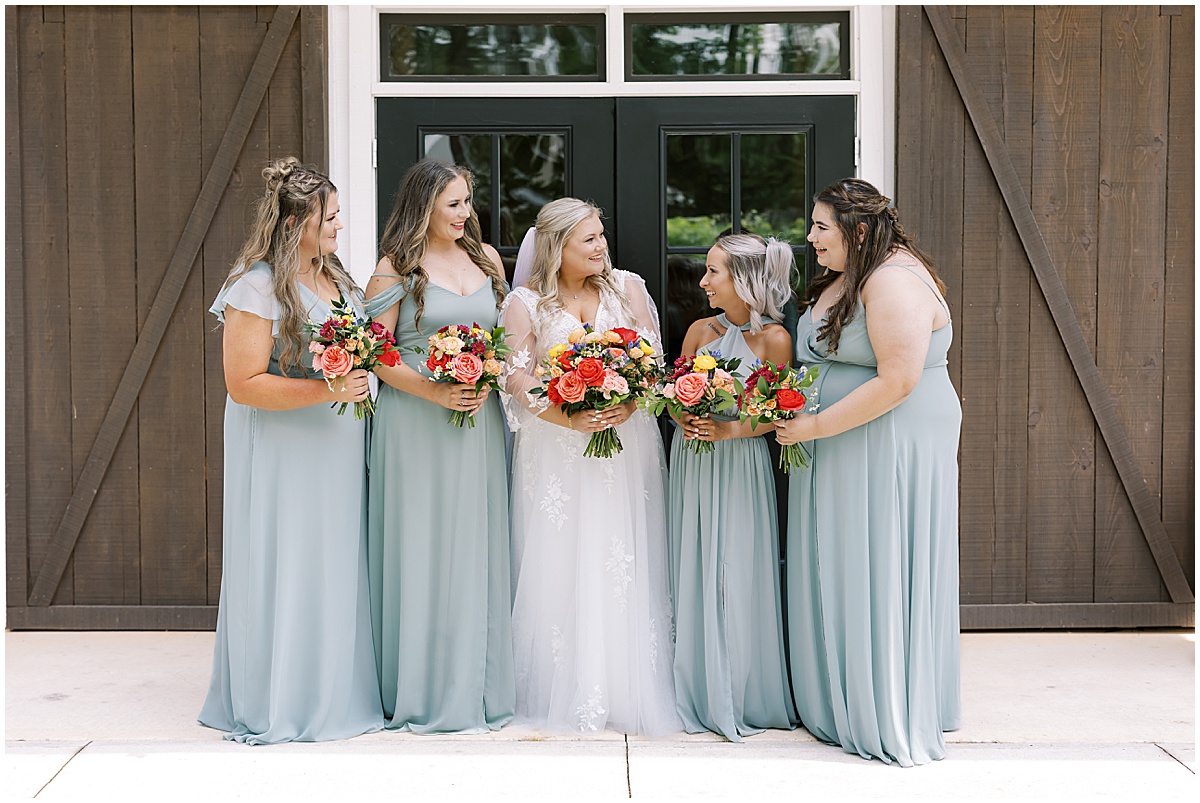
932 289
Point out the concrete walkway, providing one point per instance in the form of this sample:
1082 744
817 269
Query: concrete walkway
99 716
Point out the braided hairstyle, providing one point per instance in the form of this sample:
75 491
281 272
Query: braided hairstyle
295 194
406 234
857 203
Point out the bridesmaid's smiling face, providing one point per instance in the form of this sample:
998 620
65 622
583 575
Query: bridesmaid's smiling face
583 252
451 211
717 282
320 235
827 238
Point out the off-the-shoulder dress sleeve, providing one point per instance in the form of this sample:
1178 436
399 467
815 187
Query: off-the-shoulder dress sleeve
516 316
252 292
643 308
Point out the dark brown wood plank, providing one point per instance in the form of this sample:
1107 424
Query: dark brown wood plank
15 489
189 245
229 42
113 617
1078 616
1179 318
994 319
45 383
314 83
1134 72
285 103
910 24
1062 432
1099 399
52 14
166 113
103 286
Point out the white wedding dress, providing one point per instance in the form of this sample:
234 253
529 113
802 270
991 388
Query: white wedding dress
592 632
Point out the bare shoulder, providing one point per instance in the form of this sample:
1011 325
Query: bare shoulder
702 330
493 255
777 335
900 278
384 265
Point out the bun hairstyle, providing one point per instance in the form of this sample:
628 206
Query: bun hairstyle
857 203
405 236
294 194
761 271
556 221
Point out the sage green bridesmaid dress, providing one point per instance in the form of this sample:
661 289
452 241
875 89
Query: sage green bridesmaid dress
292 657
730 669
438 541
872 570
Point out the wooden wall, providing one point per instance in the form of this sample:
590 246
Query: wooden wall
1095 108
114 116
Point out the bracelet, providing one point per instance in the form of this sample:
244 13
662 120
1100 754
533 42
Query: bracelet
570 425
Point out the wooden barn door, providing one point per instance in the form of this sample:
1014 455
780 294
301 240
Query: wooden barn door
1046 159
134 141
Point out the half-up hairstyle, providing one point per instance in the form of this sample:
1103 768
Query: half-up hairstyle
295 194
556 222
856 202
406 234
761 271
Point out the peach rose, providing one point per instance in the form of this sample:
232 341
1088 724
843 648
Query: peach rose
689 388
572 388
492 367
467 368
335 361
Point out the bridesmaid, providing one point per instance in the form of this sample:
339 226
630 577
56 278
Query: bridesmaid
873 525
730 671
438 511
293 658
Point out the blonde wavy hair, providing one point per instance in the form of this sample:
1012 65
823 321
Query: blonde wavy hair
556 222
761 271
406 234
295 194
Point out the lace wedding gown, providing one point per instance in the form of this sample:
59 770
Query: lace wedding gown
592 633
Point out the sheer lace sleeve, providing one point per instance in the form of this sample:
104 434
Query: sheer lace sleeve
643 308
520 408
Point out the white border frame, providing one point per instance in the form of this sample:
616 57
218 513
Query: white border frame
354 86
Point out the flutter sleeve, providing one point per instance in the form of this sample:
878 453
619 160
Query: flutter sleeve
520 407
252 292
643 308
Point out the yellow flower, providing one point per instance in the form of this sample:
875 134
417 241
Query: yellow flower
704 362
487 335
646 348
557 350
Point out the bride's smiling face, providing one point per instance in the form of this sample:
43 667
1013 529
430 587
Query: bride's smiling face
583 252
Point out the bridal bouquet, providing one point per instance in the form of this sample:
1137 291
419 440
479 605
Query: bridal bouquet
344 341
775 393
700 384
470 355
595 371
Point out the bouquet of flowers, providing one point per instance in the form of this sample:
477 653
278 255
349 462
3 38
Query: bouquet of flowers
700 385
775 393
343 342
597 370
470 355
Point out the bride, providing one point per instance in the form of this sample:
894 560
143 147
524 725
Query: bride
591 612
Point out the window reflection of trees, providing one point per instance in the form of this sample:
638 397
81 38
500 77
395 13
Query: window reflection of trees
737 49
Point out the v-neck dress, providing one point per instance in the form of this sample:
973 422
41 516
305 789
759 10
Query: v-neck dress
872 571
438 540
293 659
722 526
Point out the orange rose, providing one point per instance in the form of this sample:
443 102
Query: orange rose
689 388
571 387
591 370
336 361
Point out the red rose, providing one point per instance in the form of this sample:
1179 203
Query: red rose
591 370
689 389
571 387
788 399
389 356
564 360
628 336
467 368
552 392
